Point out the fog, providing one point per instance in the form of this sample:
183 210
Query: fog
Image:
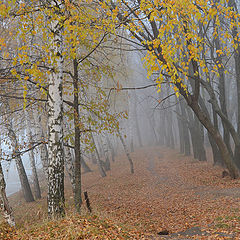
141 128
13 184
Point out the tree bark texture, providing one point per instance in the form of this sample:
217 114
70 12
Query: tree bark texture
56 200
4 203
77 149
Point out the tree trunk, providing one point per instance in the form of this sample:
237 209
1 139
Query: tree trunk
203 118
106 155
27 193
127 152
5 206
36 186
234 173
43 146
110 146
136 121
222 96
180 128
216 153
170 123
187 147
170 129
85 167
219 112
93 158
235 32
130 125
69 164
100 167
56 200
197 136
77 149
193 133
131 144
200 141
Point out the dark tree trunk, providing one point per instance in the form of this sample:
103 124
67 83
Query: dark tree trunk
77 150
216 154
170 129
234 173
110 146
180 128
197 136
27 192
93 158
170 137
69 164
127 152
106 155
201 149
222 96
136 121
187 147
85 167
235 32
100 167
163 139
131 145
193 133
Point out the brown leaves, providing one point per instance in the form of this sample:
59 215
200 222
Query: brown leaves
173 193
77 227
6 232
176 193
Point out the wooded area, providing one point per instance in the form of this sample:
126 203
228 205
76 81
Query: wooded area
82 82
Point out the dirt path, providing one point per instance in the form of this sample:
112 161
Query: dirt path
186 184
168 191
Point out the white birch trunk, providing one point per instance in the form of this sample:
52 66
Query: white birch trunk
56 201
5 207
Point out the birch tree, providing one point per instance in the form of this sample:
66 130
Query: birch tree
56 200
4 203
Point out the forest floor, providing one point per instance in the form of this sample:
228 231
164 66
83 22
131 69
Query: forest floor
168 194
